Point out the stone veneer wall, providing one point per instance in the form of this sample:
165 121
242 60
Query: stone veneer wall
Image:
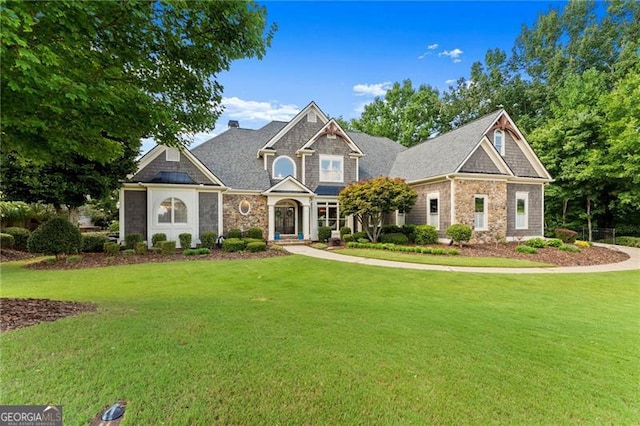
258 216
496 192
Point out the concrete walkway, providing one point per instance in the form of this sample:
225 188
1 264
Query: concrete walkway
633 263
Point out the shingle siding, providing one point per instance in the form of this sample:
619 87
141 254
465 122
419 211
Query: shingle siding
418 214
208 212
291 142
535 225
327 146
516 159
135 213
479 162
160 164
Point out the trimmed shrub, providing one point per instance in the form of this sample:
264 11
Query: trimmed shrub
345 230
6 241
256 246
234 233
251 240
567 236
57 236
395 238
185 240
554 242
157 238
232 245
536 243
255 233
360 235
569 248
410 232
130 240
208 239
459 233
155 250
128 252
324 233
628 241
526 249
111 248
114 226
20 237
141 248
167 247
391 229
347 238
453 252
426 234
93 242
196 252
425 250
583 244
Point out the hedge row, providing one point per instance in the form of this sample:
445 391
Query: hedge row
407 249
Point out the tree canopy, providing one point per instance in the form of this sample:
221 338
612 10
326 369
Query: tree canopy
369 200
80 76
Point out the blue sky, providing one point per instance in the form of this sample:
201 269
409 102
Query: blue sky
343 54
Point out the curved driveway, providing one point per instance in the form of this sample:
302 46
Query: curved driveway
633 263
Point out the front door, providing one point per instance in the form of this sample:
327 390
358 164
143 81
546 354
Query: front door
285 220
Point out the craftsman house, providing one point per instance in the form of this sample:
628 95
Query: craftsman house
286 176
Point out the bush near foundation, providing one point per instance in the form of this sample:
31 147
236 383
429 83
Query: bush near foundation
157 238
93 242
426 234
459 233
255 233
256 246
233 245
208 239
185 240
6 241
20 237
167 247
130 240
56 236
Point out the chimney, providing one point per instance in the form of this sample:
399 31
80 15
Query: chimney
234 124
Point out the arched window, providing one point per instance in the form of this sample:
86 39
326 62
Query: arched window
283 166
172 210
498 141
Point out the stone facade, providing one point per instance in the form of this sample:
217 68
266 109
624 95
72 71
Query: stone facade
258 216
418 214
135 213
496 192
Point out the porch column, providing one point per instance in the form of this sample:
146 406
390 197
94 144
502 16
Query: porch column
305 222
272 221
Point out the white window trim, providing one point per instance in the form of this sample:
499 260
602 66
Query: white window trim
173 212
504 140
485 225
433 196
273 166
522 196
240 207
331 158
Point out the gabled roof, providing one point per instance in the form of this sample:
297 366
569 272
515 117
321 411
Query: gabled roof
380 153
333 128
312 107
289 185
443 154
232 154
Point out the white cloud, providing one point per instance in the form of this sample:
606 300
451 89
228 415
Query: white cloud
453 54
240 109
450 81
432 46
377 89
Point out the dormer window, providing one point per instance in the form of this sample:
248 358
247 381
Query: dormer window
283 166
498 141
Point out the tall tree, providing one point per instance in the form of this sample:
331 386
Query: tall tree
404 114
369 200
80 76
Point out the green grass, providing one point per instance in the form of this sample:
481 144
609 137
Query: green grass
496 262
295 340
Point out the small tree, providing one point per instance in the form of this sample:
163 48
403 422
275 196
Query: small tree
57 236
369 200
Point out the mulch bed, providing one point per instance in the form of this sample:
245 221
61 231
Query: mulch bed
16 313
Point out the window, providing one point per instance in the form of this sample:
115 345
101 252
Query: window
329 215
172 210
522 210
498 141
480 215
433 207
283 166
172 154
331 168
244 207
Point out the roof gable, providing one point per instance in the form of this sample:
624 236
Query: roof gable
485 159
155 153
311 108
332 129
289 185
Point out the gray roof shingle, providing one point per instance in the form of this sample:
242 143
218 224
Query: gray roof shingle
442 154
379 154
231 156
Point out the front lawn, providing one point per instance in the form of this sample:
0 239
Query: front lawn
296 340
445 260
